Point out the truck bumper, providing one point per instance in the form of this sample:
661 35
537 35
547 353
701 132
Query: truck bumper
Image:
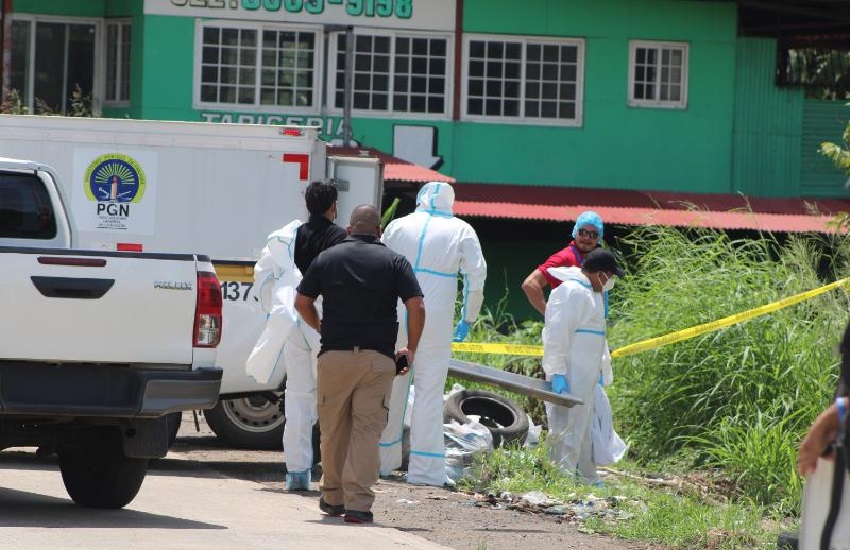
85 390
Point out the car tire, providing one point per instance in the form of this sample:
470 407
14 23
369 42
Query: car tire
253 422
787 541
97 474
506 420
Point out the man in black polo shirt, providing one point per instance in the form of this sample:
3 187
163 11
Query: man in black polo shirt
360 281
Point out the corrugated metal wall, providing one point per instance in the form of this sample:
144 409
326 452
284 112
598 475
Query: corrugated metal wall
822 121
768 125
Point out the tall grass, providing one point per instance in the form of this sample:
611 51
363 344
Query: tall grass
739 398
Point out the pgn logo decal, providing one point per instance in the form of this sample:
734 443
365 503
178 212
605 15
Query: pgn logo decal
114 181
115 178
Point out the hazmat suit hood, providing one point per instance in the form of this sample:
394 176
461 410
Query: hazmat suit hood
436 197
570 274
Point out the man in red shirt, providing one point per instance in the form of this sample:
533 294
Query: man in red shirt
587 234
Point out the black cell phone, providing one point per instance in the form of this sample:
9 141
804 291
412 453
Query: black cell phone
400 363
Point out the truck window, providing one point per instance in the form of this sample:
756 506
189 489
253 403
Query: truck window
26 211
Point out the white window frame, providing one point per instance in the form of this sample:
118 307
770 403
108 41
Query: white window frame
448 93
682 102
257 107
579 43
98 76
120 70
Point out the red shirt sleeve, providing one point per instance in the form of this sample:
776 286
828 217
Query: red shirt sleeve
562 258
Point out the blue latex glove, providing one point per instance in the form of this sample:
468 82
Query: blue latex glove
461 331
560 384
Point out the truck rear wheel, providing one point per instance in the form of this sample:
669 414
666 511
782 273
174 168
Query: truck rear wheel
254 422
97 474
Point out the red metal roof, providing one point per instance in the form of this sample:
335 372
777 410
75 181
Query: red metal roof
724 211
395 169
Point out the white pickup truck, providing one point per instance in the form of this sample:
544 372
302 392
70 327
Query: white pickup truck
221 189
79 376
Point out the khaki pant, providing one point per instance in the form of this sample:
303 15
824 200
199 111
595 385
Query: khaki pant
353 395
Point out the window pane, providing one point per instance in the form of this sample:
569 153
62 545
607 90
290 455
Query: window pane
494 107
401 85
420 46
476 48
382 82
382 64
425 70
436 105
111 62
126 40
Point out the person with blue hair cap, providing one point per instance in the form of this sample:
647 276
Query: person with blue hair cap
587 235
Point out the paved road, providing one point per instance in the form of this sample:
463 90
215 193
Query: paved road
183 504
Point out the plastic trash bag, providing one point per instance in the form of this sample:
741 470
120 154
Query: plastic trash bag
463 443
532 438
608 448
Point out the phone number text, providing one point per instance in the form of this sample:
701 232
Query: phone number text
402 9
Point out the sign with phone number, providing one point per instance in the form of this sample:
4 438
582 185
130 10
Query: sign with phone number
440 14
402 9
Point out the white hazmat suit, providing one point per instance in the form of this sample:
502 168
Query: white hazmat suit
574 346
276 278
438 246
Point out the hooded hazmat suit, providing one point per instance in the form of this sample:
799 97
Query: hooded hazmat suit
276 278
438 246
574 345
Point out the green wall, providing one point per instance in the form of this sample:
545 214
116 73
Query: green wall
617 146
822 121
73 8
768 124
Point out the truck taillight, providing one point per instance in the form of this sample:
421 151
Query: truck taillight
207 332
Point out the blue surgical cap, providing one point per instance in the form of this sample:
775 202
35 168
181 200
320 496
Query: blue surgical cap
588 217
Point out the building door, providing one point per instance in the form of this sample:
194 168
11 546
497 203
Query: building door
50 60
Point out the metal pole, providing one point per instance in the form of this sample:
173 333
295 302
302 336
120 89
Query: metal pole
348 92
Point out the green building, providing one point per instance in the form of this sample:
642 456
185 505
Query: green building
676 96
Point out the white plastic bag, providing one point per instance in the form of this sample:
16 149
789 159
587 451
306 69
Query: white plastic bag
463 442
608 448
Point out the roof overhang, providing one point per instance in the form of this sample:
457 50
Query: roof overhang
625 207
789 18
395 169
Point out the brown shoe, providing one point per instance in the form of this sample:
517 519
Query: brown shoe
353 516
333 510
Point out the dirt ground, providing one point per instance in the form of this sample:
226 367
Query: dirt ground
454 519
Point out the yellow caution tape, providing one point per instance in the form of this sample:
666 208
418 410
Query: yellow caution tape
673 337
499 349
725 322
245 273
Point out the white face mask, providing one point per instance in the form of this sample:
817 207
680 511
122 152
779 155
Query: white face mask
609 284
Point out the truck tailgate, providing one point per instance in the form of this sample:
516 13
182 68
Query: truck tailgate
82 306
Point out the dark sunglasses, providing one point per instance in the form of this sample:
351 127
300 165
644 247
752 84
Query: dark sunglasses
588 233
